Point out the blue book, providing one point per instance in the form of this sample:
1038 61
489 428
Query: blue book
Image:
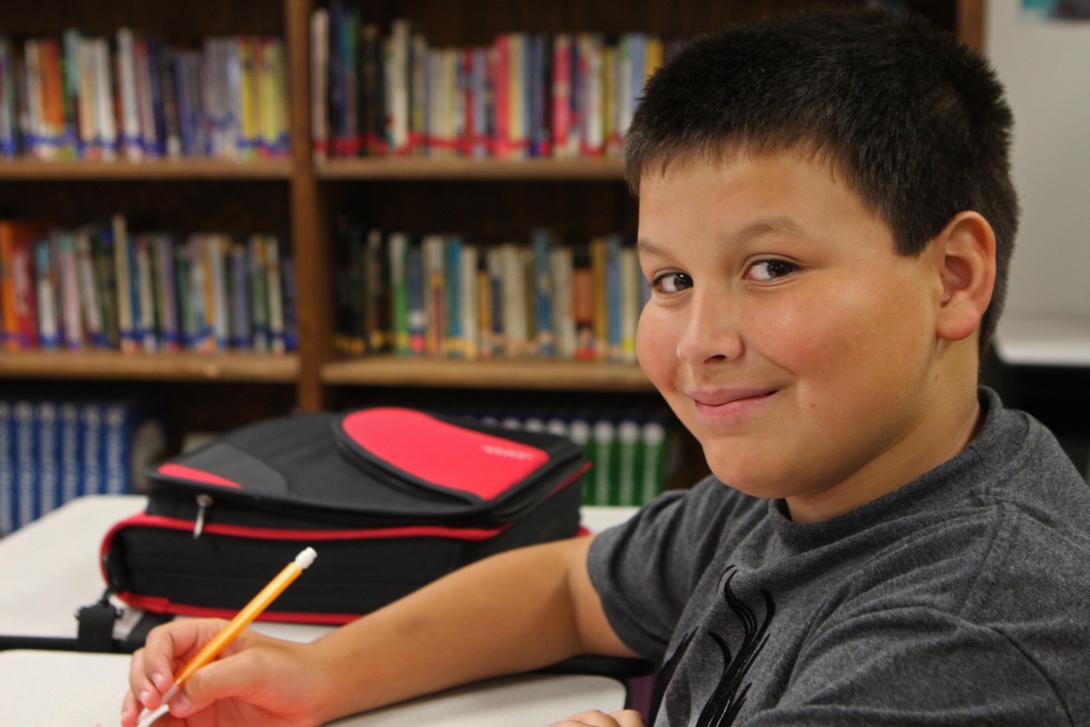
187 114
120 426
93 450
71 452
7 470
158 107
289 294
26 461
540 240
613 297
453 333
635 58
47 420
481 113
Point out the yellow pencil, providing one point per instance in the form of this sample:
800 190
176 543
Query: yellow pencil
249 612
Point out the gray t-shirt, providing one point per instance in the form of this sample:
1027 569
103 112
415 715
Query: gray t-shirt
961 598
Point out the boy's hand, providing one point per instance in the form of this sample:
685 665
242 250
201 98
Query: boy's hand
255 680
596 718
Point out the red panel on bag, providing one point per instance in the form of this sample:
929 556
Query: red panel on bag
443 454
181 472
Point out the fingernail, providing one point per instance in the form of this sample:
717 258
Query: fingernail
144 697
179 704
161 682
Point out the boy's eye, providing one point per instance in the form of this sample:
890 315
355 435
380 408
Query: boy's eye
671 283
766 270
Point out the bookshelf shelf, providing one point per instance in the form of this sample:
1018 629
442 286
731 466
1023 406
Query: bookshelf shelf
540 374
423 168
184 366
191 169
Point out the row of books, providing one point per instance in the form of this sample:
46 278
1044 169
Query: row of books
439 295
76 97
526 95
53 451
100 286
627 454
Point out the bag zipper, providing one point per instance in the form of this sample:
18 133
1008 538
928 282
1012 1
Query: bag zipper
204 501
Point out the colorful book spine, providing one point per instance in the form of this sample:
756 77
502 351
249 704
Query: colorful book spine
68 266
398 252
241 333
147 329
8 504
434 293
541 242
90 307
47 319
453 332
613 297
26 471
470 302
166 302
416 291
319 73
71 448
123 278
277 340
48 431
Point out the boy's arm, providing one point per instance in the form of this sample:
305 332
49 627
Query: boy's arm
513 612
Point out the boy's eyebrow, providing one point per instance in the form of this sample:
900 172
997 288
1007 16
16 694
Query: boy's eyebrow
761 226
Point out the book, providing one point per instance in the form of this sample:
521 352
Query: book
8 505
541 243
47 320
123 279
64 244
90 306
398 252
319 71
434 279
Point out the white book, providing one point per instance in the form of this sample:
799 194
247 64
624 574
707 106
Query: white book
88 291
514 300
470 301
236 139
560 267
130 111
104 100
319 78
146 326
397 93
590 48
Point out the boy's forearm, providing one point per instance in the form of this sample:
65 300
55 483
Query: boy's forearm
514 612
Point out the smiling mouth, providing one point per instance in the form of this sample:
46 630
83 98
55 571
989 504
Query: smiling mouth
731 404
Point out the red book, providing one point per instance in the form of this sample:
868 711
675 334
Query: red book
561 92
583 312
502 67
17 284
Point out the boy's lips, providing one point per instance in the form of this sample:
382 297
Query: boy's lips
723 403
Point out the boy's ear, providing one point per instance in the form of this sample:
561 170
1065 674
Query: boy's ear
967 250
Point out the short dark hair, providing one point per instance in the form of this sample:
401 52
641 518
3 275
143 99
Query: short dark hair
915 119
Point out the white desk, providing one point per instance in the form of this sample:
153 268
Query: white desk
50 567
1044 340
51 688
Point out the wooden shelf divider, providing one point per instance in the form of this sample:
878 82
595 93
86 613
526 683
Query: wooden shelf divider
151 169
179 366
500 373
461 168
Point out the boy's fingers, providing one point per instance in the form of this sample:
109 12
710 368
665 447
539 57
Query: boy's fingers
142 692
235 676
598 718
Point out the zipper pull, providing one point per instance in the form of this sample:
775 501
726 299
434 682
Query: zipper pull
204 502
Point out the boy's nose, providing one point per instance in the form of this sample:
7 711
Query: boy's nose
710 332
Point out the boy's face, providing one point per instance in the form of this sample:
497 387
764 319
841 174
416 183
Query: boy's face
783 328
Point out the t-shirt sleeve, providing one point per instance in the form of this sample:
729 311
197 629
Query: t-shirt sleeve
913 665
645 569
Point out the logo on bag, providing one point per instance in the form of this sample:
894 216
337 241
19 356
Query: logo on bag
496 451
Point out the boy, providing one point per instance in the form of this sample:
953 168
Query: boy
826 219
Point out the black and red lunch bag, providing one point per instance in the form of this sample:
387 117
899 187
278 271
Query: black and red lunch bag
391 499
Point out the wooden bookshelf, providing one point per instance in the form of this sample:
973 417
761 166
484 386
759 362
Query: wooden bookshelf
185 192
537 374
183 366
152 169
422 168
